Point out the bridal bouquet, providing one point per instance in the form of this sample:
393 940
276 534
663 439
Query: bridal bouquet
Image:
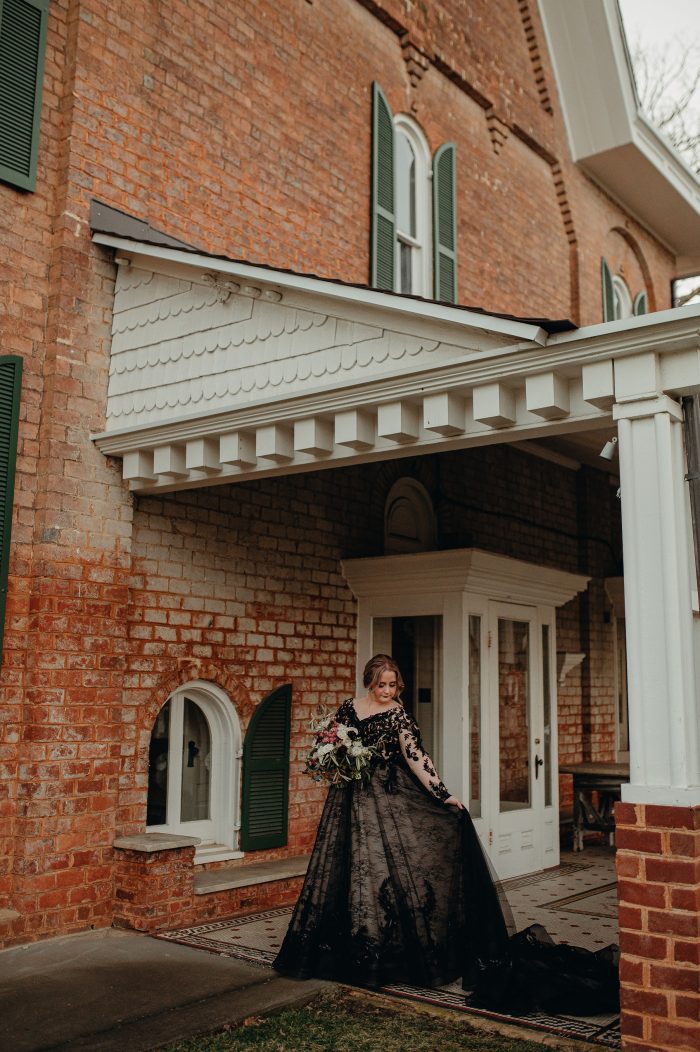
337 754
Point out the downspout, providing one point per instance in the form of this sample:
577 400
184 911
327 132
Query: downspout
691 430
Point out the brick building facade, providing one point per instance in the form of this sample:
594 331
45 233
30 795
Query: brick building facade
246 132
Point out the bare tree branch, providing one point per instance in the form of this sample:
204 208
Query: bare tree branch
668 85
687 297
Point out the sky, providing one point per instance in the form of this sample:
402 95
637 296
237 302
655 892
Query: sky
657 21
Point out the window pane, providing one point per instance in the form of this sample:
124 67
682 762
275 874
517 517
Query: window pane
157 806
196 762
547 697
622 299
514 713
405 186
475 715
405 267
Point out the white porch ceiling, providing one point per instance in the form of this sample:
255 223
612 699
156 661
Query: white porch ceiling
222 371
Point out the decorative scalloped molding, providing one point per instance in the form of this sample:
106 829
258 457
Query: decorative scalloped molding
221 342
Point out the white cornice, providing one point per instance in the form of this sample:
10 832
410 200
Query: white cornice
462 570
608 135
664 332
215 378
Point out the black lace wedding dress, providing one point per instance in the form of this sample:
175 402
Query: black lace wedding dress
398 890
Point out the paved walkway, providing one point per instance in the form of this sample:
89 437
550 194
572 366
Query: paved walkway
118 990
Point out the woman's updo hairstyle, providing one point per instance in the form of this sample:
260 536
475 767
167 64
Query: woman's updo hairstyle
374 669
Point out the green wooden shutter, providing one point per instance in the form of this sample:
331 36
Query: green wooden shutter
640 303
383 232
608 291
22 46
10 383
266 773
445 224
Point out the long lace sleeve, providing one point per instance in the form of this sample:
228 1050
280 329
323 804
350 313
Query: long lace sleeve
418 760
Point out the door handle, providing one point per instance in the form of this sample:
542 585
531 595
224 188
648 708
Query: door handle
538 763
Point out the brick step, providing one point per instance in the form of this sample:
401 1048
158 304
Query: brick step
228 878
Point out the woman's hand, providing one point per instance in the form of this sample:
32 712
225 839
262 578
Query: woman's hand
455 802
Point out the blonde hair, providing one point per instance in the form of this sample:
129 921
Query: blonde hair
377 665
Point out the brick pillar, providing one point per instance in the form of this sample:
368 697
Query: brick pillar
658 866
154 881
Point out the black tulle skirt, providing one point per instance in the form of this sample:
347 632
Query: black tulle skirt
398 890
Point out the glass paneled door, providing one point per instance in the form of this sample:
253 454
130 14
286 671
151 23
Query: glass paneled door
524 835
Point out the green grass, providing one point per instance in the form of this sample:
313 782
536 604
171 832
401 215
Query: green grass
355 1021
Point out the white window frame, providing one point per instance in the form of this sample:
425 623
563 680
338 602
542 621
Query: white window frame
422 243
220 833
622 301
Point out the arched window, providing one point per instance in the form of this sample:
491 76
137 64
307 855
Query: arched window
413 208
194 770
409 519
617 299
621 299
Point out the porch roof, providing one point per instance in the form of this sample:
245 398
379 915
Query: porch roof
223 370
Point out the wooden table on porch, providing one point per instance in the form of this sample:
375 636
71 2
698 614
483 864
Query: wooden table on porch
605 779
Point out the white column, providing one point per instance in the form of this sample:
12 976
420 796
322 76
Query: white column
664 714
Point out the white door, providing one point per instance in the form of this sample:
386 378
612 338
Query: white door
519 760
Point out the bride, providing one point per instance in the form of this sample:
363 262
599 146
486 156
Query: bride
398 889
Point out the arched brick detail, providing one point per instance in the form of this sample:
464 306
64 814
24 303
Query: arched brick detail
131 812
642 263
191 669
421 469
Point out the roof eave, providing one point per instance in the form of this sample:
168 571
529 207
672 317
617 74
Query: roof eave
460 318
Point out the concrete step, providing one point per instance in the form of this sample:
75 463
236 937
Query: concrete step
208 882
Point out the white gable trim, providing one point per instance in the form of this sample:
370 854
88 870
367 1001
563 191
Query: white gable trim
216 379
141 254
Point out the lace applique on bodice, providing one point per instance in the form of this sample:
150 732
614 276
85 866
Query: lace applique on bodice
399 739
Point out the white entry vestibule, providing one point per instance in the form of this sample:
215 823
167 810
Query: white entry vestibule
475 634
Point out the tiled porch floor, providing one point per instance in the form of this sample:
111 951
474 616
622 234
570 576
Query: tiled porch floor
576 902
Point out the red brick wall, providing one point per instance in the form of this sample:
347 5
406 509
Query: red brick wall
658 868
155 892
244 129
241 586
